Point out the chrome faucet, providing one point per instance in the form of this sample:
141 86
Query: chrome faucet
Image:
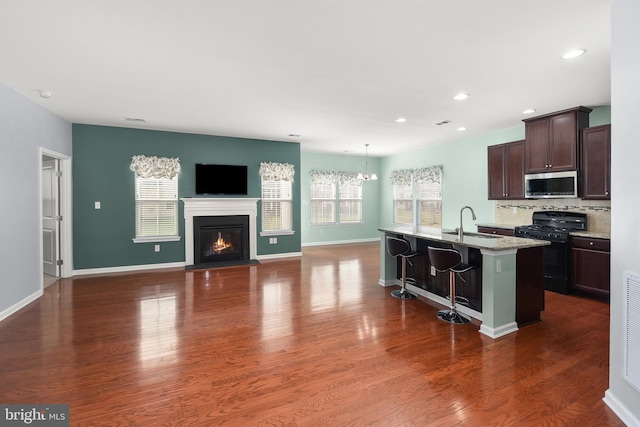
460 232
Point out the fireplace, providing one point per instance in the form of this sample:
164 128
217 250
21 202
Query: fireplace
202 207
220 239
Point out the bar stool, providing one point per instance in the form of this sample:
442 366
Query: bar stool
397 247
445 259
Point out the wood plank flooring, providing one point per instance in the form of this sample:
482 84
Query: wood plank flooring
312 341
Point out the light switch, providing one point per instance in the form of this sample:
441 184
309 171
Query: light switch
97 205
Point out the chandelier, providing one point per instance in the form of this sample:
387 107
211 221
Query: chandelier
366 176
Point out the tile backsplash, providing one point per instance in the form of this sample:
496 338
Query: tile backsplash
518 212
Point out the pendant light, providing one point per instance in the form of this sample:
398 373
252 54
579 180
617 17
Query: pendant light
366 176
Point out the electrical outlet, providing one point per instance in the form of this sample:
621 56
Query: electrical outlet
515 209
433 270
157 248
498 266
96 205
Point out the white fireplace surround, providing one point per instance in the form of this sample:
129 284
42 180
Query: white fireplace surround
194 207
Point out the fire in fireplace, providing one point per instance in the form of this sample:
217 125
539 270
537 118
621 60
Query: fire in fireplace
220 239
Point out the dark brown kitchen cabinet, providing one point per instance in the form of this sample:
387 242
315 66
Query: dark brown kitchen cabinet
496 230
596 162
506 170
590 265
551 141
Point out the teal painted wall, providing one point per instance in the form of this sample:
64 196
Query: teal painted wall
101 159
464 165
316 234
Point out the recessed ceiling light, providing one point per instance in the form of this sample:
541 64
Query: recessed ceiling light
135 119
574 53
45 93
461 128
401 120
461 96
529 111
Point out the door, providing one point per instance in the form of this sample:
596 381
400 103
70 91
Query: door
50 216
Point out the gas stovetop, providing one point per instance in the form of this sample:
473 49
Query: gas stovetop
553 226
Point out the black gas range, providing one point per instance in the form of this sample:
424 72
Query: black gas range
555 227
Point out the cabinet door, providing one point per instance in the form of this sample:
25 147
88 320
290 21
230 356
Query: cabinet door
496 157
514 170
590 270
596 162
563 142
537 145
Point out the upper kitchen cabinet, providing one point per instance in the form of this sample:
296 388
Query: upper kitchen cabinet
551 141
506 170
596 162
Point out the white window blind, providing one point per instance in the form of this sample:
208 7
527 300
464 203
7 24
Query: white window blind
156 207
277 206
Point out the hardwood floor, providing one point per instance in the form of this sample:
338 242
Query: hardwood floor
310 341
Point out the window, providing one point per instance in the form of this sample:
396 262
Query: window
418 190
403 204
350 198
156 195
429 195
336 198
277 198
276 206
323 203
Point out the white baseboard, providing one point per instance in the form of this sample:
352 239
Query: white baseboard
499 331
127 268
342 242
20 304
620 409
278 256
391 282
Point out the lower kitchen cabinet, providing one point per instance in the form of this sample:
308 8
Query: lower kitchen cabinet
590 265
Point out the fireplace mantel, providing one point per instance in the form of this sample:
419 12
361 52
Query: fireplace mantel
194 207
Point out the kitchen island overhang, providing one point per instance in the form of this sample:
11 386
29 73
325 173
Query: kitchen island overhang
512 275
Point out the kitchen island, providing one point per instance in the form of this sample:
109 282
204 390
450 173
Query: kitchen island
509 274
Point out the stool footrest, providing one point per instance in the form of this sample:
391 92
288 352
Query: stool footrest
452 316
403 294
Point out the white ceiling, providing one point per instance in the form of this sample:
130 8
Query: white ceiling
336 72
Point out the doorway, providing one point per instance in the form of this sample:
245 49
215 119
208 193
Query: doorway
55 212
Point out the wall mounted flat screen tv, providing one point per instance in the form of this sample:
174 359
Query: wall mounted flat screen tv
221 179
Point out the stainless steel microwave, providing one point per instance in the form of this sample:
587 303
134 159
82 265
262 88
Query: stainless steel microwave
551 185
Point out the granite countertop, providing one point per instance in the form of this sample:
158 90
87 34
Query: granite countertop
591 234
490 242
